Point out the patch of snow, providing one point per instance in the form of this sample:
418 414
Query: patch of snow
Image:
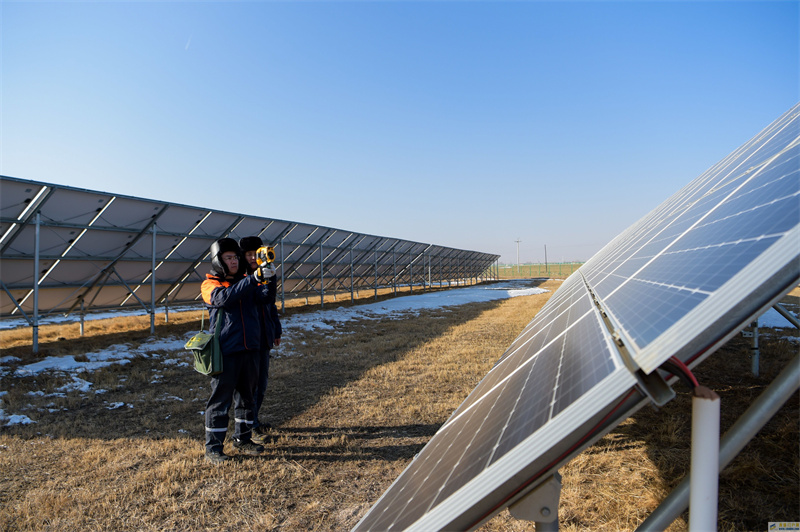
17 419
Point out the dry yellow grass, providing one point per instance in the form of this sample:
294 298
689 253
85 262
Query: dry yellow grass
352 408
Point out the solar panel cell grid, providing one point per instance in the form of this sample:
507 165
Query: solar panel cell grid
647 309
583 363
547 323
528 404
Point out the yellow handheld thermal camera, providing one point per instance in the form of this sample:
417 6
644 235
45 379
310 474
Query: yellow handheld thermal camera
265 255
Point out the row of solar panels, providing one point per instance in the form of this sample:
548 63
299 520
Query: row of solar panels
97 250
675 285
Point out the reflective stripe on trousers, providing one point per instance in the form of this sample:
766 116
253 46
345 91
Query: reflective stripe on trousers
239 374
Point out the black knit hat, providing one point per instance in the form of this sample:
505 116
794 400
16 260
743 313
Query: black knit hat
250 243
218 248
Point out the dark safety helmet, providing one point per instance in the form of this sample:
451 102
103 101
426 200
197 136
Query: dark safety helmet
250 243
218 248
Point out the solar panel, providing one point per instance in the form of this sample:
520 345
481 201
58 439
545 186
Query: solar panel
679 282
97 251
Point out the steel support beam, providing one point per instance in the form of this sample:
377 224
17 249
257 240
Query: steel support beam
35 324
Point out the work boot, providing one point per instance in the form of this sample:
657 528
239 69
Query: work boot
216 457
261 432
247 447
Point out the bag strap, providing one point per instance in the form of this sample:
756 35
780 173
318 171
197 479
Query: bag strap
219 321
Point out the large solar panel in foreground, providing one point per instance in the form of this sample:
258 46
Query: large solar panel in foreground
679 282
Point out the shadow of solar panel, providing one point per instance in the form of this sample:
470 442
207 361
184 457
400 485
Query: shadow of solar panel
679 282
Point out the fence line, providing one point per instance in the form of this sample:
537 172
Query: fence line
513 271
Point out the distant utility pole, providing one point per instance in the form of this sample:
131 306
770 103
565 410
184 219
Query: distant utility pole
545 258
518 241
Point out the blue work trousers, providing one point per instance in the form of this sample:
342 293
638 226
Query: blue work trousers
239 375
260 387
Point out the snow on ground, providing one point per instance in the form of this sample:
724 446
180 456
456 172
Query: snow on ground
411 305
60 318
773 319
398 307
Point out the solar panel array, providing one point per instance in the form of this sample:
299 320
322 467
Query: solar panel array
96 251
679 282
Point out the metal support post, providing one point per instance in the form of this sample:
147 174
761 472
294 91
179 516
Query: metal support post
752 332
411 277
376 275
83 315
756 354
546 269
540 505
283 283
35 325
321 277
756 416
449 272
704 468
153 286
352 284
429 272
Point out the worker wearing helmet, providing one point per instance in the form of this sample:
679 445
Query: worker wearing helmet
271 333
228 291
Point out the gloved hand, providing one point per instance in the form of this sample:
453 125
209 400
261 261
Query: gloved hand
264 273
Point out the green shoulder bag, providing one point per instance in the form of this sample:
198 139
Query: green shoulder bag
205 349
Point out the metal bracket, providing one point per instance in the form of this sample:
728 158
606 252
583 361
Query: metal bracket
752 332
652 385
655 387
540 505
786 314
14 300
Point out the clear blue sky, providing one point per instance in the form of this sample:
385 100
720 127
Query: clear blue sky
466 124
